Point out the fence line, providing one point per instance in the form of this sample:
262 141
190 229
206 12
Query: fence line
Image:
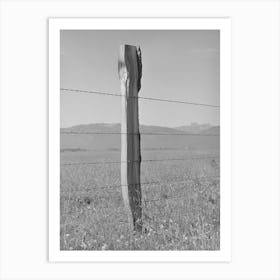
141 97
147 160
149 183
141 133
166 198
162 198
155 183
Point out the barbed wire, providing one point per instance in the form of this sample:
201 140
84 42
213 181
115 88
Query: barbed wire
155 183
141 133
165 198
136 161
145 200
140 97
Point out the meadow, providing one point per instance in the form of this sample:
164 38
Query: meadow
181 202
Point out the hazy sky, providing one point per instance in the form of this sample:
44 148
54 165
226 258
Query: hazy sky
180 65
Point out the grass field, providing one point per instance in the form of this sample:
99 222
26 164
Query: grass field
181 213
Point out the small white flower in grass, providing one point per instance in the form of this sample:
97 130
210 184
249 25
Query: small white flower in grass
104 247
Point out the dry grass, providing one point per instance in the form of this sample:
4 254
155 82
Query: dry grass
177 216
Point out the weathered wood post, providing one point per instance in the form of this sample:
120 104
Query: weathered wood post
130 73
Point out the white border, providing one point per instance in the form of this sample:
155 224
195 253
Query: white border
55 25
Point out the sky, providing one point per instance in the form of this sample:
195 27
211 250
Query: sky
178 64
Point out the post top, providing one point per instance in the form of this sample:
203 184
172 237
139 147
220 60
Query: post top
130 63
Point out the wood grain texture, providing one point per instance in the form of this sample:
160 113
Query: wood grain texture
130 73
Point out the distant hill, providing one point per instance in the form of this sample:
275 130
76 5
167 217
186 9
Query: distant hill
199 139
194 127
212 130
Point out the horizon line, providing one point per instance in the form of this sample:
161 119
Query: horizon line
141 124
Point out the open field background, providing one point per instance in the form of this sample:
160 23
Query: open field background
181 208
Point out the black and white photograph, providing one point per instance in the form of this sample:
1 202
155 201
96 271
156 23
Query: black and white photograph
140 140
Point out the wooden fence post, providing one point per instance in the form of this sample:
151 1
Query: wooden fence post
130 73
